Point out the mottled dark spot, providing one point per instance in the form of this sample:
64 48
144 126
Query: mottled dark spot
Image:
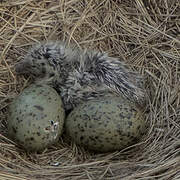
82 130
39 85
45 115
106 102
43 137
91 138
129 115
91 108
142 133
125 109
96 119
133 109
121 116
81 138
51 74
47 55
14 129
62 107
135 139
39 107
119 132
41 92
29 139
18 120
119 106
130 123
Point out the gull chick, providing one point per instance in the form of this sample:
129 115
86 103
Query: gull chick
81 75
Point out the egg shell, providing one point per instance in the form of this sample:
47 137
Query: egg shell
36 118
105 124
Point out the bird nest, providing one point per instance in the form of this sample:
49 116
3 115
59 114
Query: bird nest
143 34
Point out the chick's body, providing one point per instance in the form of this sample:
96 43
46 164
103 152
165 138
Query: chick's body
81 75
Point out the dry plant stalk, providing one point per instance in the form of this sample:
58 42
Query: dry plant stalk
145 35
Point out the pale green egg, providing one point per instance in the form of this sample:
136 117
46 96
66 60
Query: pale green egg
36 118
106 124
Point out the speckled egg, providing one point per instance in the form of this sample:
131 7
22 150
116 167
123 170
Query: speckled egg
36 118
105 124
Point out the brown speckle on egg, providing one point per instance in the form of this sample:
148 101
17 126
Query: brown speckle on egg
39 107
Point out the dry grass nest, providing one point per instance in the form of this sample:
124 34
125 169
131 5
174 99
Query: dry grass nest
143 33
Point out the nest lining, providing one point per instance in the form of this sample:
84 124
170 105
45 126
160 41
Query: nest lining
143 34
